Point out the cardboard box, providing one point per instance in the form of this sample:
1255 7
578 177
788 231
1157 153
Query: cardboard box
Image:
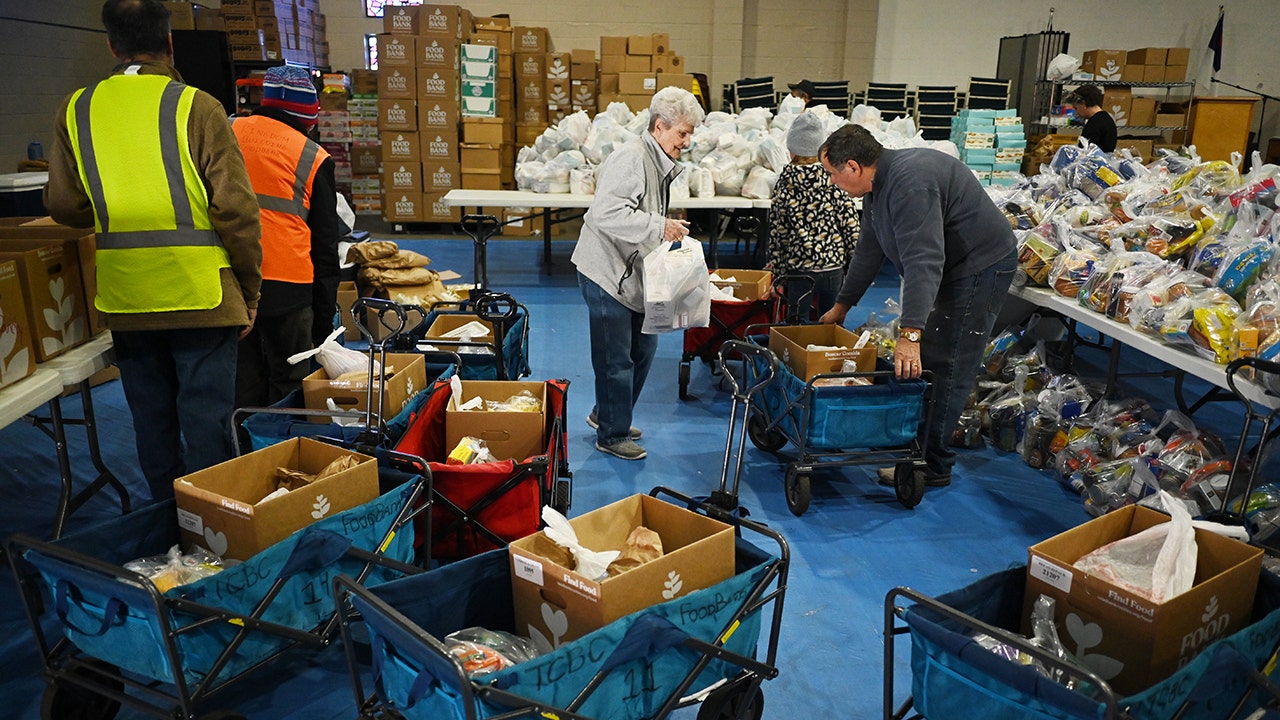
530 40
397 114
1116 100
221 508
494 36
675 79
637 83
53 290
559 94
639 44
558 65
613 45
45 228
397 82
436 210
440 53
17 355
1175 73
438 147
483 131
181 16
1140 148
530 65
612 64
408 377
527 134
509 435
790 343
698 553
403 207
439 115
1177 56
1153 73
446 20
584 71
400 147
482 181
1129 641
347 296
1142 111
661 43
583 94
437 85
608 84
1169 119
396 51
1147 56
667 64
1104 64
637 63
520 222
582 57
402 178
480 158
441 176
745 284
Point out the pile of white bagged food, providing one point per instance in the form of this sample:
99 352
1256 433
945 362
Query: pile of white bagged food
738 155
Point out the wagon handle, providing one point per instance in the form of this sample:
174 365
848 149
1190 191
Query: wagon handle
494 306
391 316
747 350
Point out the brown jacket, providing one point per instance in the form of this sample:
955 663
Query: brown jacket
233 209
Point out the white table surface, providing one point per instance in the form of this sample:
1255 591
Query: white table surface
523 198
28 394
1123 333
79 363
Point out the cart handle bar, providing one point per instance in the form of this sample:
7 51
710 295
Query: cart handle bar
747 349
384 311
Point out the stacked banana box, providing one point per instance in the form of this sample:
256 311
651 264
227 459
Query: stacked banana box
634 67
268 30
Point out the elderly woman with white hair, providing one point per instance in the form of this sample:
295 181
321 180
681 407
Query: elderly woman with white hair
628 220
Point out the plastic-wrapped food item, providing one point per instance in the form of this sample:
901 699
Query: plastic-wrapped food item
1094 175
523 401
968 432
1261 512
1021 209
174 568
1211 179
1241 265
1071 268
469 451
482 651
1153 300
1102 291
1036 250
1207 485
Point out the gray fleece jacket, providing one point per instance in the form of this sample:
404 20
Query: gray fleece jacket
626 219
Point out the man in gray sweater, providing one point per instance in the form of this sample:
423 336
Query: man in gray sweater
925 212
626 221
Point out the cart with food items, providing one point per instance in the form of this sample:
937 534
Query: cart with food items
488 330
969 660
838 419
482 501
731 318
121 617
445 643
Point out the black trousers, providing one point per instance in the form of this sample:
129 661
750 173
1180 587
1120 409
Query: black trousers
263 372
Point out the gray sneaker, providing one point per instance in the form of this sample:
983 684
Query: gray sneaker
627 450
595 425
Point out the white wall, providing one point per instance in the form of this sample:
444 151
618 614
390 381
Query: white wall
924 42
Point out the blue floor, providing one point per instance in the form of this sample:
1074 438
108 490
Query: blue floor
854 544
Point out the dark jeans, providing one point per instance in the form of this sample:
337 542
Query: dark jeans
955 336
180 385
620 356
263 372
826 285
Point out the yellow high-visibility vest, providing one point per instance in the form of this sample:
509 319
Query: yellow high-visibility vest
157 249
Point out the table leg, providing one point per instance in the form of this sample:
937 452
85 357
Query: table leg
105 476
546 239
715 240
59 436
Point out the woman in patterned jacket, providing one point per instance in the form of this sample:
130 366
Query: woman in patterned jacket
813 224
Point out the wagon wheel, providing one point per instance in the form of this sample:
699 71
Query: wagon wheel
739 701
223 715
68 701
908 484
684 381
762 436
796 485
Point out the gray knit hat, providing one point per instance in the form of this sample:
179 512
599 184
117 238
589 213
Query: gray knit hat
806 135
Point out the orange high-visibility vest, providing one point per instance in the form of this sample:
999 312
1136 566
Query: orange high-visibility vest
282 164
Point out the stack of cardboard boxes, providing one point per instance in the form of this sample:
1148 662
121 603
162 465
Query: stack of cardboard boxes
418 110
634 67
276 30
991 143
366 151
1144 65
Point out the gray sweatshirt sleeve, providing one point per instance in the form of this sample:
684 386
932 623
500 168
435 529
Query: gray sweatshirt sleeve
918 232
615 212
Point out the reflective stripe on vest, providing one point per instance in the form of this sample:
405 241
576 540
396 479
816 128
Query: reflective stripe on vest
157 249
282 164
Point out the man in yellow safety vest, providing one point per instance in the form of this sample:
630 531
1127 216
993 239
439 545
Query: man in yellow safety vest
153 166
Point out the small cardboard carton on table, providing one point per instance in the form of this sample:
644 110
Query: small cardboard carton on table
554 604
407 378
513 435
223 508
1126 639
790 343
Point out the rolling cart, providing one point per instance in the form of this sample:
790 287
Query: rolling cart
506 357
954 678
1244 470
108 637
841 425
730 320
643 665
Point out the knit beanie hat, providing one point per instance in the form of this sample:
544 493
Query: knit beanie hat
291 89
806 135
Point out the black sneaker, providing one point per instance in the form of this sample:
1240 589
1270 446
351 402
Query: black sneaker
884 476
627 450
595 425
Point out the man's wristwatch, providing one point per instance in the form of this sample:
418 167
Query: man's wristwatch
909 334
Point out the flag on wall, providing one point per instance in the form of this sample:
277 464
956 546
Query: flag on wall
1215 41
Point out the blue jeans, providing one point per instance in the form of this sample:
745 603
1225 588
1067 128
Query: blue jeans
956 335
180 385
826 285
620 356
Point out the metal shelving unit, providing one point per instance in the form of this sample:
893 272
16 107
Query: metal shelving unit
1055 93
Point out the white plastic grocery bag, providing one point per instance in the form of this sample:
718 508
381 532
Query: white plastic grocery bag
677 288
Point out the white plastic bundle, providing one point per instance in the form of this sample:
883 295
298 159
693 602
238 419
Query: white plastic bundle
527 173
336 359
868 116
701 183
568 160
620 113
717 117
756 118
576 127
772 154
759 183
526 154
680 185
788 109
903 127
639 123
582 180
